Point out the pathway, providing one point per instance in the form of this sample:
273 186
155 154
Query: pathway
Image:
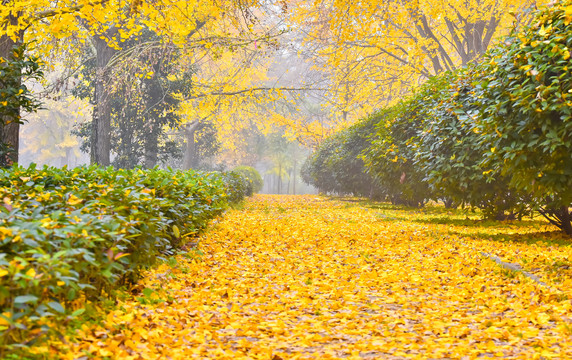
307 277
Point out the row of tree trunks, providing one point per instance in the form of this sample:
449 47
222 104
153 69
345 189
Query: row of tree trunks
101 144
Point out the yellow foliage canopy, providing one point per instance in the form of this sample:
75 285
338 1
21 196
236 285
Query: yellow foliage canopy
376 51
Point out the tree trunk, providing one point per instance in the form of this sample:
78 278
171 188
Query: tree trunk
566 220
151 147
279 178
101 128
70 157
10 129
294 181
190 158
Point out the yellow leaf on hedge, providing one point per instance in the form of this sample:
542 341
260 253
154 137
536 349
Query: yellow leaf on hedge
74 200
5 231
31 273
3 320
120 255
3 272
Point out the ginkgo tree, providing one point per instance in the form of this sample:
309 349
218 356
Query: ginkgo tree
376 51
107 24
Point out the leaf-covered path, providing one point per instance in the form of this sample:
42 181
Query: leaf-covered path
307 277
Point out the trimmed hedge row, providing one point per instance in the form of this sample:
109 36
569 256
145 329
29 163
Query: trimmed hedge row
496 135
337 166
70 236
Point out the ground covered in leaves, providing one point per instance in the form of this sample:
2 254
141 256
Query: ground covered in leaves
310 277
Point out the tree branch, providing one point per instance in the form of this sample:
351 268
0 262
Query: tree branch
243 91
547 214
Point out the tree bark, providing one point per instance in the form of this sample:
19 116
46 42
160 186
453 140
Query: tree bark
101 125
190 158
151 147
566 220
10 129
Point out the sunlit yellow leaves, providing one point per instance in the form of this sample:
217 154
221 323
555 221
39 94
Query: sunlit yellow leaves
374 52
5 232
4 319
568 15
74 200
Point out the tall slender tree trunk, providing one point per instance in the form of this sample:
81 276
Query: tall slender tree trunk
10 129
190 158
294 178
280 179
101 125
152 147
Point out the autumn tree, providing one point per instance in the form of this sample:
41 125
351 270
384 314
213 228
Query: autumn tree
15 97
144 80
377 51
20 18
107 24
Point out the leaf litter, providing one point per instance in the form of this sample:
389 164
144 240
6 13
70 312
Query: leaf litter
305 277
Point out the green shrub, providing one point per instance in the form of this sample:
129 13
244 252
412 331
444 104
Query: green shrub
391 156
336 166
527 111
316 170
451 147
253 176
237 186
71 236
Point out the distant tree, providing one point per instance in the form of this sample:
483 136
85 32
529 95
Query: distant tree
142 107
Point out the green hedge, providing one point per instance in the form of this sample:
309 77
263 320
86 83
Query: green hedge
255 182
526 111
83 233
496 135
337 167
237 186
